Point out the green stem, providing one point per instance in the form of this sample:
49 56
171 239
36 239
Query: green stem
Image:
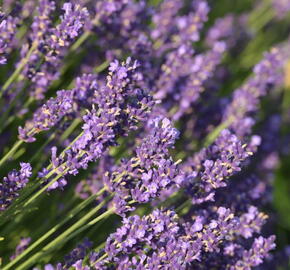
101 67
101 258
51 137
38 193
28 191
64 136
183 207
75 229
216 132
18 70
70 129
70 215
11 152
265 19
80 41
258 12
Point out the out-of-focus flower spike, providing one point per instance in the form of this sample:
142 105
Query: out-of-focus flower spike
282 8
23 244
8 29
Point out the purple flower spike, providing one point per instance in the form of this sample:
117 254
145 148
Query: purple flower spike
8 28
13 183
150 171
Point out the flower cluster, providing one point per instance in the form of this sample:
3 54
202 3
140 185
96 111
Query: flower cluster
160 239
117 108
150 171
51 43
65 103
7 35
13 183
23 244
209 168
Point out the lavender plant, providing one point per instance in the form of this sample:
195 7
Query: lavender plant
150 134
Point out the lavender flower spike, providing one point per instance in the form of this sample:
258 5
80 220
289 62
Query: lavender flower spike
255 255
13 183
7 33
150 171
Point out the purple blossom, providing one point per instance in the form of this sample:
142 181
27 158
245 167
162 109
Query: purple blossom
256 254
150 171
163 18
158 234
23 244
13 183
282 7
161 238
118 107
209 169
52 43
190 25
200 71
267 74
231 29
66 102
8 27
74 259
48 115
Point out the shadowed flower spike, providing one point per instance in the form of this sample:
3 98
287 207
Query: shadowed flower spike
48 115
256 254
200 71
74 259
267 74
189 26
13 183
164 17
231 29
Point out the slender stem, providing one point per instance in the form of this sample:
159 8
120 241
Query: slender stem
80 40
64 136
11 152
75 229
91 223
38 193
70 129
51 137
216 132
70 215
18 70
101 258
186 203
101 67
